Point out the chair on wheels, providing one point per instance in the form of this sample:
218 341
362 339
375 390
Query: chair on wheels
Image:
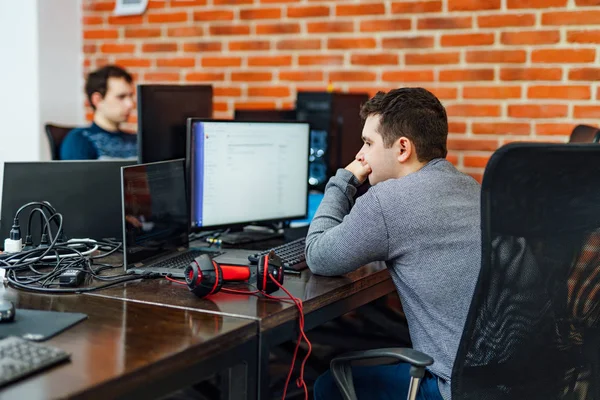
533 328
585 134
56 134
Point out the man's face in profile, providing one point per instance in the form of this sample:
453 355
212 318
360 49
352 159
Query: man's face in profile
383 161
117 103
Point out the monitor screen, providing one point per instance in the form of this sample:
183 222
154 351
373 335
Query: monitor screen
155 218
242 172
162 114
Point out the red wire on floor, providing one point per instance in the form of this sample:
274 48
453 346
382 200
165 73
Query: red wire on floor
300 381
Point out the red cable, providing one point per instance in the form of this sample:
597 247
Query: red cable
212 291
265 272
300 381
176 281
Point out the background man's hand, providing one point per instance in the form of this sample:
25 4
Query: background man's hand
359 170
133 221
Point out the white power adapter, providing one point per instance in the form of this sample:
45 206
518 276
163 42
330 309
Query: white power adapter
13 245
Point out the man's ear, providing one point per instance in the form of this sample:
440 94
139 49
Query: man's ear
96 99
405 149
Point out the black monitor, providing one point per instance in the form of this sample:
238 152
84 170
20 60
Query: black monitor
162 114
265 115
86 193
246 172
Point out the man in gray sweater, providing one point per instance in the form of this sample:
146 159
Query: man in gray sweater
422 217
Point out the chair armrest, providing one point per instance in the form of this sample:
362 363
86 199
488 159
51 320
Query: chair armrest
411 356
342 371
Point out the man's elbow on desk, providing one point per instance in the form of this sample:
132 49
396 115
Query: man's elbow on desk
324 266
322 271
325 257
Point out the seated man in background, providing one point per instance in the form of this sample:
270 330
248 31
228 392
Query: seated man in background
110 93
422 217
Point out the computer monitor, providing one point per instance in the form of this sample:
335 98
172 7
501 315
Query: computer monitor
154 210
162 114
86 193
246 172
265 115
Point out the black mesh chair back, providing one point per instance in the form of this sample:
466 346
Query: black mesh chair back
584 134
56 134
533 330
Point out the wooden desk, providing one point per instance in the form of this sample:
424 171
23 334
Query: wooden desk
324 298
134 350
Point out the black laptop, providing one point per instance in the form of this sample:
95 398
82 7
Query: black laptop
86 193
156 221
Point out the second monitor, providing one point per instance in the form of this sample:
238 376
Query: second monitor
245 172
162 114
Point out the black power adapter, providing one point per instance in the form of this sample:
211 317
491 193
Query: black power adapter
71 278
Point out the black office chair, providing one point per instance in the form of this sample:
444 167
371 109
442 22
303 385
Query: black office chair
56 134
585 134
533 328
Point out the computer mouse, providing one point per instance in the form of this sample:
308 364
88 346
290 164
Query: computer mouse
7 311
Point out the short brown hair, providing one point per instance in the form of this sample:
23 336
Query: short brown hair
97 81
414 113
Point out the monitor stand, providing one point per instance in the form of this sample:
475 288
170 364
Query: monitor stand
250 235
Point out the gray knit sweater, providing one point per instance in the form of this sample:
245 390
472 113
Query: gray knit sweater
426 227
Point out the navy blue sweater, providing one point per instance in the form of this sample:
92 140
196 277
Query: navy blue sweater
94 143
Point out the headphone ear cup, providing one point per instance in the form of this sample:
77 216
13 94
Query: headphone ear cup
263 280
204 276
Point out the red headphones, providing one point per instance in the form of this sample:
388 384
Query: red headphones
205 276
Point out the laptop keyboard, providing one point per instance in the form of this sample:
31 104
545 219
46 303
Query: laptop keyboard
183 260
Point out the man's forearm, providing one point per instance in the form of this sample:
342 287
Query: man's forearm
336 204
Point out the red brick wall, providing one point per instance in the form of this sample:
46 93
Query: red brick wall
506 70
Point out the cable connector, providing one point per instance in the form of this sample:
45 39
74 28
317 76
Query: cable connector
44 241
15 231
28 243
150 275
62 238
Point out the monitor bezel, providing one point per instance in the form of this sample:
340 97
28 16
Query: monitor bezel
238 225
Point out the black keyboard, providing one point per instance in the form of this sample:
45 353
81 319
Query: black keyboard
292 254
183 260
20 358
